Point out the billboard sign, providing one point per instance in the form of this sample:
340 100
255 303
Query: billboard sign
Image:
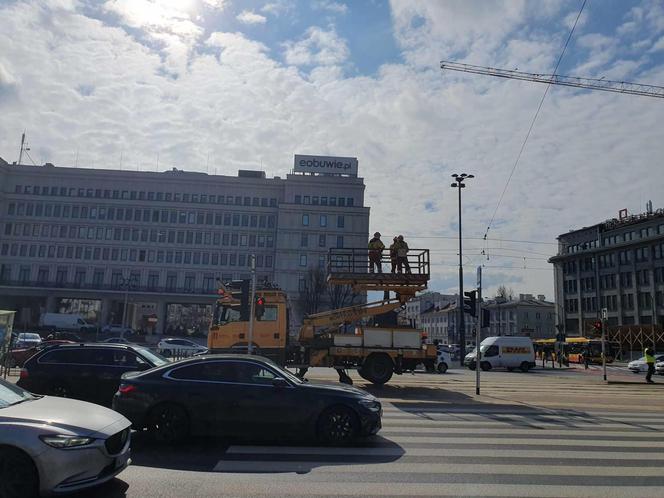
326 165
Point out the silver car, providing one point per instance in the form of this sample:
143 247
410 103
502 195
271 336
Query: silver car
56 445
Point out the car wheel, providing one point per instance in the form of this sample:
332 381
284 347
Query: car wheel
60 390
471 366
169 423
442 367
378 368
485 366
18 476
338 425
525 366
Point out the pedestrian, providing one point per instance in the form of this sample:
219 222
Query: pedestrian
586 358
376 247
650 361
393 254
402 255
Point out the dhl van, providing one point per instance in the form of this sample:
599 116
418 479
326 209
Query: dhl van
508 352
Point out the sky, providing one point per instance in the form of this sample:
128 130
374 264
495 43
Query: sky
222 85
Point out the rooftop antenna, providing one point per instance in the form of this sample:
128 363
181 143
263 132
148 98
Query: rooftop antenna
157 168
121 155
207 163
76 160
24 148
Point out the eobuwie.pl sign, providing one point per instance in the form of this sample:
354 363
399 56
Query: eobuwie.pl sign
325 164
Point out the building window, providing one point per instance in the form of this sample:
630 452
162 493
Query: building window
303 260
323 220
340 241
321 240
304 240
341 221
305 220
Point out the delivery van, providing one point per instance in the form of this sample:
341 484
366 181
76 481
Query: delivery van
508 352
65 321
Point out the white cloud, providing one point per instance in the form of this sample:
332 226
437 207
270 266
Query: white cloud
278 7
81 84
658 45
249 17
216 4
318 47
330 6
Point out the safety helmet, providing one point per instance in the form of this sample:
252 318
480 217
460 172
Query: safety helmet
377 234
400 237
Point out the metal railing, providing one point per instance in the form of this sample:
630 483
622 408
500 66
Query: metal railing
357 261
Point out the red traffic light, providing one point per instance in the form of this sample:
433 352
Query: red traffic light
260 301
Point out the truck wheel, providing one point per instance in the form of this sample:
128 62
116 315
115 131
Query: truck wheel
485 366
525 366
471 366
378 368
429 366
442 367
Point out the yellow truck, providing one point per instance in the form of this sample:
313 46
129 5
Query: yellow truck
377 352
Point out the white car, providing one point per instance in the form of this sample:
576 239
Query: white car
640 365
180 347
443 361
51 445
27 340
659 368
117 329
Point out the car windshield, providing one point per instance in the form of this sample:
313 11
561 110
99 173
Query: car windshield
153 357
12 395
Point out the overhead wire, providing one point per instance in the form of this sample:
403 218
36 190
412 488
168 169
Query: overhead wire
532 123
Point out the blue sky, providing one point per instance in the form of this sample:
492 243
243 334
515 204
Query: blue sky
251 83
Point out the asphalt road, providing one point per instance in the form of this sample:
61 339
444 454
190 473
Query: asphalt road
560 433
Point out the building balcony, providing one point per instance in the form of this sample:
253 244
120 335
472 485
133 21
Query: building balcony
133 289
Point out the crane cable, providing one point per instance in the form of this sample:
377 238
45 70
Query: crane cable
532 124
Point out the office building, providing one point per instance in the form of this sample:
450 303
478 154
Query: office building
86 239
528 316
617 265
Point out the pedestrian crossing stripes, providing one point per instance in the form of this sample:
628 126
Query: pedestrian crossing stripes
467 450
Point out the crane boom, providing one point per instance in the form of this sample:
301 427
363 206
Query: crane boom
556 79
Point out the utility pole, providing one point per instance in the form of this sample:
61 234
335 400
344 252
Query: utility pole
605 315
478 330
252 305
458 183
125 282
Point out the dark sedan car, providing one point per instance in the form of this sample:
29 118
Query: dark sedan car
89 372
17 357
243 396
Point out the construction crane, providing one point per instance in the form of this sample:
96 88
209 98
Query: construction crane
556 79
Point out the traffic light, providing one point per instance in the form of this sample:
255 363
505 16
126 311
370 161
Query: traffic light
486 318
244 300
259 307
470 303
597 326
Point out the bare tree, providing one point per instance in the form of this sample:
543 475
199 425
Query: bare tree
505 292
311 296
341 296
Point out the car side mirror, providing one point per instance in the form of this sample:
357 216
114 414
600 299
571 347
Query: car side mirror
279 382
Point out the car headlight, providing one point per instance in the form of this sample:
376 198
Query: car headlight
62 441
370 404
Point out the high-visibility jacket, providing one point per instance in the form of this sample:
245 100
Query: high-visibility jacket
650 359
375 244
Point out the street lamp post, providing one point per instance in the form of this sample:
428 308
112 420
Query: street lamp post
458 184
126 283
